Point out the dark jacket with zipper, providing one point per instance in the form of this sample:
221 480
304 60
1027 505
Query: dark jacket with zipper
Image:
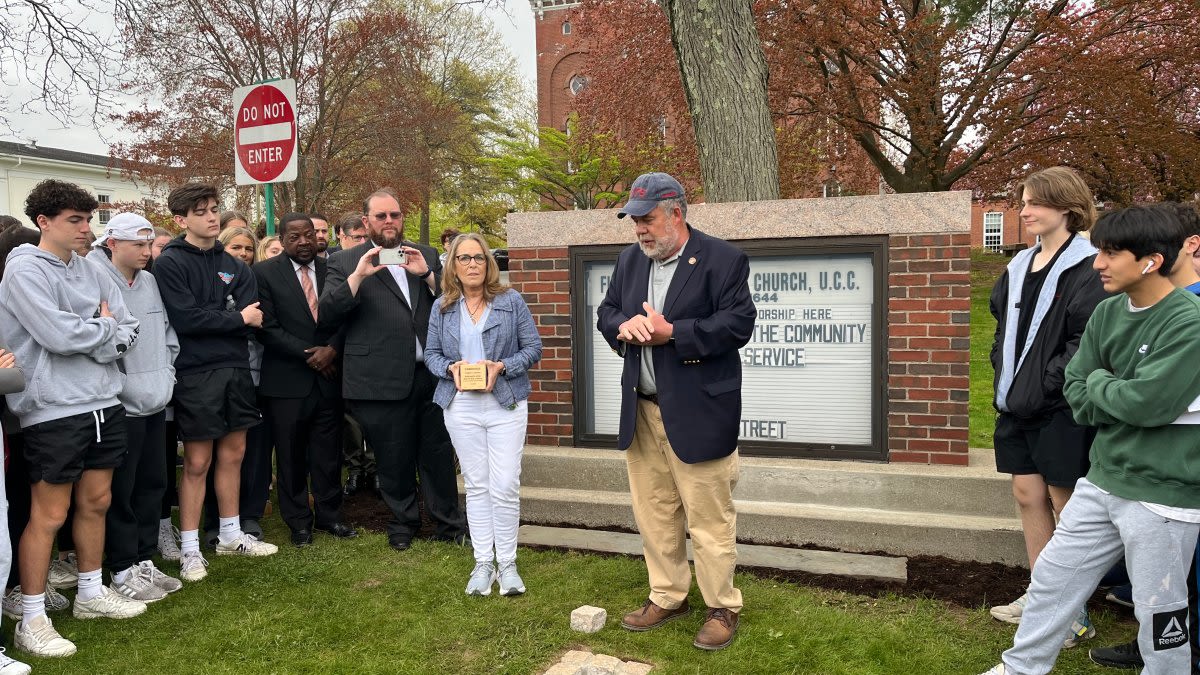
204 292
1037 385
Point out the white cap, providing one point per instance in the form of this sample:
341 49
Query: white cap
126 227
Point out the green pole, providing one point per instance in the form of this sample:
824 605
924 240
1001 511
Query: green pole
269 197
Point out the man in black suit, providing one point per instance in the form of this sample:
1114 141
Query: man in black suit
677 310
300 384
385 309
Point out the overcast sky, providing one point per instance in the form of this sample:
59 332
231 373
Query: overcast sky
514 22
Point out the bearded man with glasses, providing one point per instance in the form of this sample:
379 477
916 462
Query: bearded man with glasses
384 309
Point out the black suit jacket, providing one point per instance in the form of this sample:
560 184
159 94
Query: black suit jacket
379 356
699 373
288 329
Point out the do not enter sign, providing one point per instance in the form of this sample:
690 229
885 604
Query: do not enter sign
264 133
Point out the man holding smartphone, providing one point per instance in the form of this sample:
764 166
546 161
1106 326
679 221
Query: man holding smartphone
383 292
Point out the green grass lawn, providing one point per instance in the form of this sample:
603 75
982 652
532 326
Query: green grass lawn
985 269
359 607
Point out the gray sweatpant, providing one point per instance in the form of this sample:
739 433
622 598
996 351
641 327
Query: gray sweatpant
1094 530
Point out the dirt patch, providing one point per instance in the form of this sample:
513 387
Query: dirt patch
366 510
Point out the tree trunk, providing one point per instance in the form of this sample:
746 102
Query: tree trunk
424 234
725 78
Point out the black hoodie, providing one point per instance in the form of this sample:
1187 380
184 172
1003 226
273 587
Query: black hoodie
204 292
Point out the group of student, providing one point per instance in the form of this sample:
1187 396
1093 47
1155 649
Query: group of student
1095 355
235 349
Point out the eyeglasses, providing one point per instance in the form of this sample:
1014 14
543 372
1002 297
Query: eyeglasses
465 260
383 217
360 238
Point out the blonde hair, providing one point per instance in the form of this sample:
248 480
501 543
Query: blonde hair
264 245
452 287
1061 187
230 233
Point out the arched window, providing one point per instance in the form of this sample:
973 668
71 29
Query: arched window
566 28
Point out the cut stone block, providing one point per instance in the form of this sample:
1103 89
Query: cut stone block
602 664
588 619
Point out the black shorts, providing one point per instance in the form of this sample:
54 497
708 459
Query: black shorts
59 451
1055 447
213 403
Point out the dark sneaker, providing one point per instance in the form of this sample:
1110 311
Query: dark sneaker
720 625
652 616
1127 656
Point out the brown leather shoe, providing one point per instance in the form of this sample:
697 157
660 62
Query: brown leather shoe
720 625
652 616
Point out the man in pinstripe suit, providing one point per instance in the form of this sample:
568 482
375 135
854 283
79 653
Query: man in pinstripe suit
386 386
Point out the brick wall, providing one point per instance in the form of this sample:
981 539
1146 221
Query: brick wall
541 275
929 341
928 345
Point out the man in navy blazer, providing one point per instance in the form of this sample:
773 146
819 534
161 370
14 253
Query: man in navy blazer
677 310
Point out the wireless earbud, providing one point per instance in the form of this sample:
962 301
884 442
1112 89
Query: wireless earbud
1148 266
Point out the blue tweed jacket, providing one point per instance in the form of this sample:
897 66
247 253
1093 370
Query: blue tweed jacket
509 335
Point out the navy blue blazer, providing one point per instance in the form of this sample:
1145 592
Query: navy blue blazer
699 373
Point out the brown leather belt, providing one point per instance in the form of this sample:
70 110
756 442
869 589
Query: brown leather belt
653 398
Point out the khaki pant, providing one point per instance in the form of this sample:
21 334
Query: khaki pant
669 497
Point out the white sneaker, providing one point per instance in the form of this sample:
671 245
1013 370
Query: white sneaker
247 545
1081 629
192 566
10 666
168 541
108 604
1010 613
482 578
157 577
138 586
63 573
13 609
997 669
510 581
40 639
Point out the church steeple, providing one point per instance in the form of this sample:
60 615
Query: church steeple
560 60
540 7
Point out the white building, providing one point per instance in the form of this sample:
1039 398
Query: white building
24 165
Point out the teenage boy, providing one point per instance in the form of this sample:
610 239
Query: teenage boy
1133 377
212 302
1186 275
67 325
138 484
1042 303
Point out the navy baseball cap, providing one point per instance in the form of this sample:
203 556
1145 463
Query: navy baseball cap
647 191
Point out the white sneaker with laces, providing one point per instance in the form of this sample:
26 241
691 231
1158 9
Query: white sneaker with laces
109 604
247 545
39 638
64 573
1010 613
168 541
10 666
159 578
13 609
482 578
510 581
192 566
138 586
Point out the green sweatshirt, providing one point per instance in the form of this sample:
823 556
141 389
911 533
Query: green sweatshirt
1134 374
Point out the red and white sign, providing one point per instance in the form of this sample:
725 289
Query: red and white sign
264 133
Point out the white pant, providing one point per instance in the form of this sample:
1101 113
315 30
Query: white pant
488 440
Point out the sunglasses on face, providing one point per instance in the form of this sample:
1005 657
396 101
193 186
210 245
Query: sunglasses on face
383 217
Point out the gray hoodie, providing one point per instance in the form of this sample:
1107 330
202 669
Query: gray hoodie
149 373
67 354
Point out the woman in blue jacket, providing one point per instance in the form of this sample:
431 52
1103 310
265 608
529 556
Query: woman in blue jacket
478 320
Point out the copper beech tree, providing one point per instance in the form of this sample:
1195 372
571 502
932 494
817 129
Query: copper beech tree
937 94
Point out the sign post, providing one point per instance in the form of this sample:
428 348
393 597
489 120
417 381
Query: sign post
265 138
